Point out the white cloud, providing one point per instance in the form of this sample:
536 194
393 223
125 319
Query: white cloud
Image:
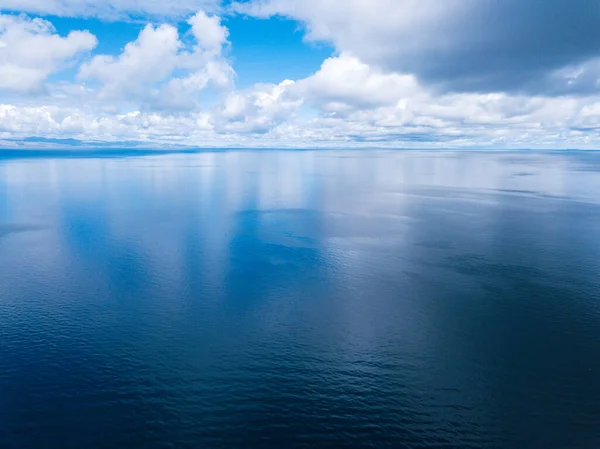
30 51
209 32
180 93
149 59
137 73
344 84
56 122
259 109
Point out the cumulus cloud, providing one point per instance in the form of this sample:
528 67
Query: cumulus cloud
345 84
149 59
258 110
30 51
208 31
460 45
153 57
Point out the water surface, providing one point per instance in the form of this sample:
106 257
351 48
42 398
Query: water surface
300 299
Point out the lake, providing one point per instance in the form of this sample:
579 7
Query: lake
330 299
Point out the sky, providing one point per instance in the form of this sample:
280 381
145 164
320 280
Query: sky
514 74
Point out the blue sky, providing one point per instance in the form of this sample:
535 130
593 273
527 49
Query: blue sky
263 50
301 73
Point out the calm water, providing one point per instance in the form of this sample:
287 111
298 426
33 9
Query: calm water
301 299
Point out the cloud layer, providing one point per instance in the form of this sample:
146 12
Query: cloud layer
459 45
406 73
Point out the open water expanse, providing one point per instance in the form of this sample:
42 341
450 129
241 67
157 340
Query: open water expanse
318 299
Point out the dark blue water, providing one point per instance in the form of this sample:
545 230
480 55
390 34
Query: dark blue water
301 299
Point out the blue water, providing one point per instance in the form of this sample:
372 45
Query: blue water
279 299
